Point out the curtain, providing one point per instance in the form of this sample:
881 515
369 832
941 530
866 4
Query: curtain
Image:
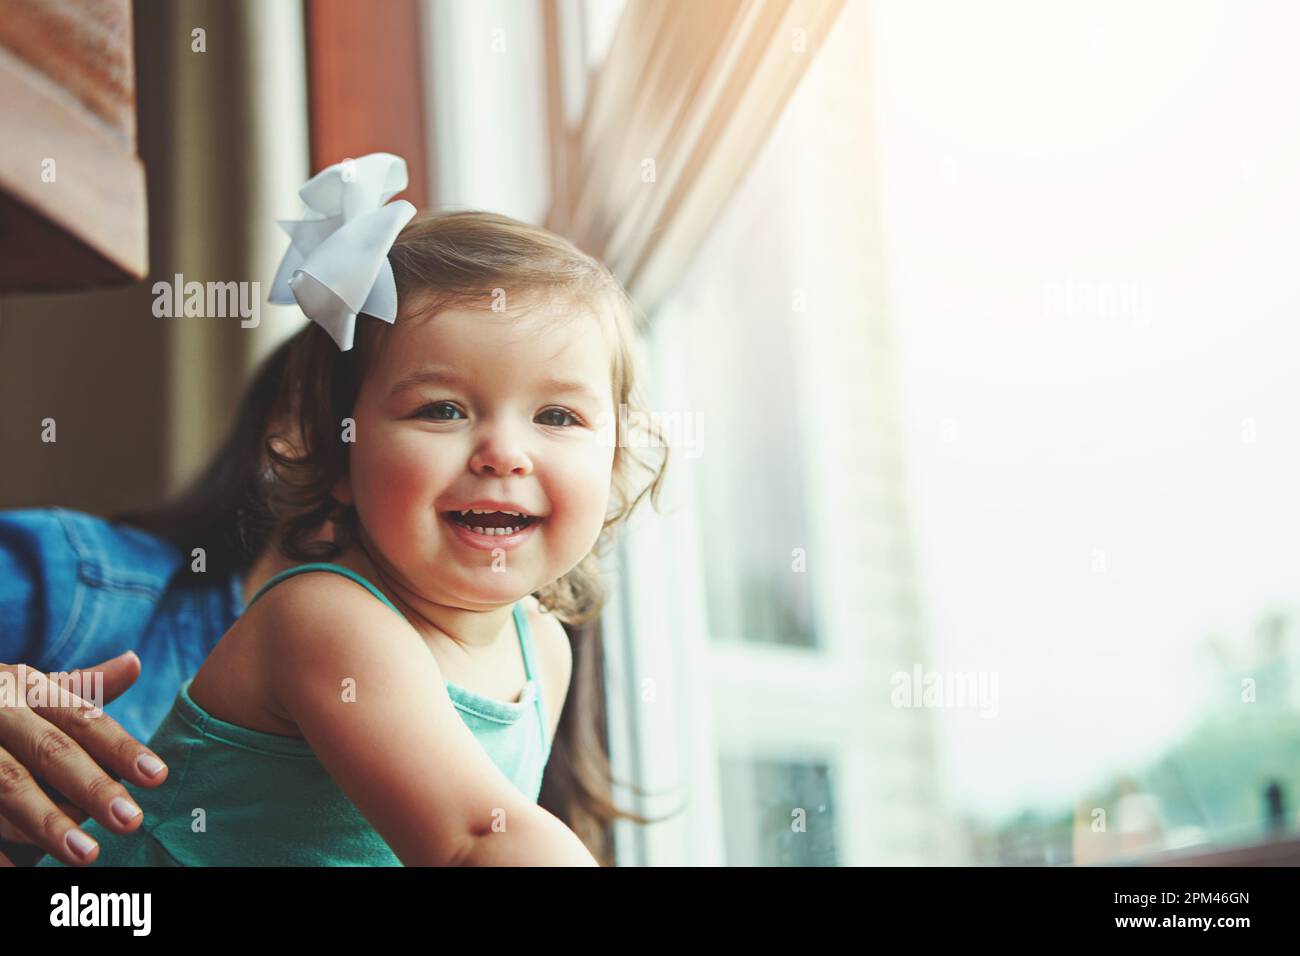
686 97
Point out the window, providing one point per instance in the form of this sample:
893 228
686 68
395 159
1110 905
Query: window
781 581
762 828
984 532
744 399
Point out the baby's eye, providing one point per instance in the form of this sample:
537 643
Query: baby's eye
560 411
422 413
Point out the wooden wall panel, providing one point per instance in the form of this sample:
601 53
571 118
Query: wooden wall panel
72 189
366 85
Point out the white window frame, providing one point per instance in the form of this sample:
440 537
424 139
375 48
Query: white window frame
830 704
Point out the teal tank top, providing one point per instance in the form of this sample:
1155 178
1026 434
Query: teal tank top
241 797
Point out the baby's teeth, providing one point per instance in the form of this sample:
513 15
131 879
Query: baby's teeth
494 531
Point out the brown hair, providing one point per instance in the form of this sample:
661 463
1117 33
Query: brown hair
271 483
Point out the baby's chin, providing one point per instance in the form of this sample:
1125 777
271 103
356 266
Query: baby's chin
479 592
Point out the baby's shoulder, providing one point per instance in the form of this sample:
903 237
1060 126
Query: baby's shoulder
306 623
298 590
323 609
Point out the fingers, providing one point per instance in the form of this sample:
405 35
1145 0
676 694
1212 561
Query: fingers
5 861
11 833
77 750
26 806
75 813
68 768
119 673
67 742
43 747
14 835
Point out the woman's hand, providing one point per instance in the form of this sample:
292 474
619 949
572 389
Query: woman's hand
74 748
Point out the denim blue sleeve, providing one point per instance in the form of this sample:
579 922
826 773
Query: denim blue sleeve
38 584
74 588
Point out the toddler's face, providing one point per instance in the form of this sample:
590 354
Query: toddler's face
474 406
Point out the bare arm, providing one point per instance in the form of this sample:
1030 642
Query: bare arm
368 696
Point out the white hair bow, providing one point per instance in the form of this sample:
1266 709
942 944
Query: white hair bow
337 261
